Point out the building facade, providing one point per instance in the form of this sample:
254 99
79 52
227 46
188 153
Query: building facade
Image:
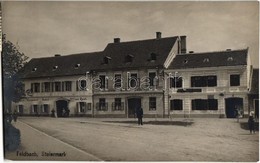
156 74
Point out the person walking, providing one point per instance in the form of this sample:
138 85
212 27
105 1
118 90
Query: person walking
139 114
251 123
15 116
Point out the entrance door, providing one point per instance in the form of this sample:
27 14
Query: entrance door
231 105
133 104
61 107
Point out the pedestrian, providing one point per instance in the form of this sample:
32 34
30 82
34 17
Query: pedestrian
52 113
139 114
251 122
15 116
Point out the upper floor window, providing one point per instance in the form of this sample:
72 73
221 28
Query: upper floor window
132 80
102 81
81 85
204 81
46 87
234 80
35 87
57 86
152 77
129 58
152 57
67 86
106 59
176 82
118 81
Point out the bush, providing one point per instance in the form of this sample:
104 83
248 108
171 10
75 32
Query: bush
12 137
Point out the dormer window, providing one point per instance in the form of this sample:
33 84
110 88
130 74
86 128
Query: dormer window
34 69
106 59
206 60
230 59
129 58
152 57
185 61
54 68
77 66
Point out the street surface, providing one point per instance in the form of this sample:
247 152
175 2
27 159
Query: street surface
206 139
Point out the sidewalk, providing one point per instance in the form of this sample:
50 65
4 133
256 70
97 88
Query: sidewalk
36 145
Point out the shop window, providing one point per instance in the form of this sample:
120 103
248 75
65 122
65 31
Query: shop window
176 104
152 103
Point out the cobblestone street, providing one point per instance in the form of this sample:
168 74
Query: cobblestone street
206 139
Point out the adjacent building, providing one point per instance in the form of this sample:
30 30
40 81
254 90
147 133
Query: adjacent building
155 74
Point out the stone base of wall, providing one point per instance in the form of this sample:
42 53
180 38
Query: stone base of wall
153 116
110 116
197 116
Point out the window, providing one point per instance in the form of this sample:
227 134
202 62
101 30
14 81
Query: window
102 105
176 104
106 60
205 104
102 81
234 80
132 80
176 82
129 58
67 86
81 85
54 68
118 81
153 57
20 109
152 77
204 81
34 69
45 108
117 105
34 109
152 103
35 87
46 87
57 86
82 107
77 66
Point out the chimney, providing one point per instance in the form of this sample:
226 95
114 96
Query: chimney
183 44
57 55
158 35
116 40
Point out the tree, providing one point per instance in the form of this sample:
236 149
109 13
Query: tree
13 61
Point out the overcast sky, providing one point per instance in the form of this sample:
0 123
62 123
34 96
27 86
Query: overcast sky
47 28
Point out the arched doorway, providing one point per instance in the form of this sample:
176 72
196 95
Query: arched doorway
133 104
231 105
61 107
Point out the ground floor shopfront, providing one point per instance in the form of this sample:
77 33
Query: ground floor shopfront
124 105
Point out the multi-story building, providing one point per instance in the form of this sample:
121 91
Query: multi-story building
114 82
156 74
208 84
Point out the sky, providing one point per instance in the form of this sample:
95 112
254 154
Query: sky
42 29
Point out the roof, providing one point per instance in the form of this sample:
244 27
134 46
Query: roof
255 82
116 53
210 59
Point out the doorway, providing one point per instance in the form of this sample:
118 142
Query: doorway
61 107
231 105
133 104
256 105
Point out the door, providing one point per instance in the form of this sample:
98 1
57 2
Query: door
133 104
231 105
61 107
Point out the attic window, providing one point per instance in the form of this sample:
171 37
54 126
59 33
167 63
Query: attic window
152 56
106 59
129 58
185 61
34 69
77 66
230 59
206 60
54 68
